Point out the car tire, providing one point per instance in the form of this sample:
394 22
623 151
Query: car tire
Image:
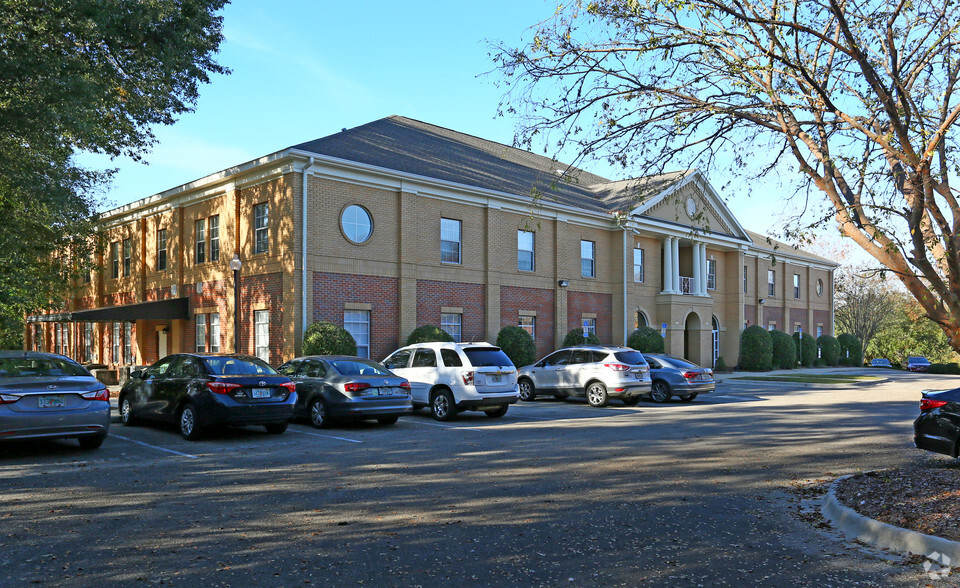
318 414
631 400
660 391
189 423
597 395
688 397
527 390
497 412
91 441
388 420
126 412
442 405
276 428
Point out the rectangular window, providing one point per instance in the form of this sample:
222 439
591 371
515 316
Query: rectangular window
587 264
449 240
37 338
772 326
261 334
796 286
116 343
88 342
357 323
525 251
215 332
200 251
115 259
215 238
128 343
261 228
771 282
744 279
201 320
711 274
637 264
127 254
590 324
161 250
529 324
57 339
452 322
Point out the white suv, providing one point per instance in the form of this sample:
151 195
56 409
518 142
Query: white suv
450 377
595 371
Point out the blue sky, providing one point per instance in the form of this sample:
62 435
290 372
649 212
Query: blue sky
306 69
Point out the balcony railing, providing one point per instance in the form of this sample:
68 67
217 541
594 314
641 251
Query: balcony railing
687 285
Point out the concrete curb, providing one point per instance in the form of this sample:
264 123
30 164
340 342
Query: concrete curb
883 535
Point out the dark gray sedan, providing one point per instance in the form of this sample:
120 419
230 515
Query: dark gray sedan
674 376
44 395
334 387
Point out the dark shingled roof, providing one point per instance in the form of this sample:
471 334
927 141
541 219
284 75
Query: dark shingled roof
765 243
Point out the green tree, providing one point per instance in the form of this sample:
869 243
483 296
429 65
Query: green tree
575 337
864 303
756 349
83 76
323 338
784 351
646 339
853 103
907 333
428 334
518 345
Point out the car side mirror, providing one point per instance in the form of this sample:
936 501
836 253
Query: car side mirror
137 374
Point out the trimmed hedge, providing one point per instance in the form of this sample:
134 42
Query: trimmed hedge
721 365
829 350
808 350
784 351
944 368
575 337
756 349
646 339
850 351
323 338
428 334
518 345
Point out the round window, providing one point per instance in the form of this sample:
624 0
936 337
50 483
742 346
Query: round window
356 223
819 287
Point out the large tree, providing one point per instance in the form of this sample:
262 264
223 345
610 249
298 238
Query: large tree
855 100
865 303
82 75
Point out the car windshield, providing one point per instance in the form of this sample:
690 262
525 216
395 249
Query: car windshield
236 366
358 367
43 367
487 356
630 357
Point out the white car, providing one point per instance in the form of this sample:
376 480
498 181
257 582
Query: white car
596 371
452 377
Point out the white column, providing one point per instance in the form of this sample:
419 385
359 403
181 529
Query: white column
675 243
703 268
668 265
696 269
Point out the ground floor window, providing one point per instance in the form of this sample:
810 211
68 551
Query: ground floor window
201 320
529 324
261 334
357 323
452 323
640 320
590 324
37 338
88 342
128 343
116 343
215 332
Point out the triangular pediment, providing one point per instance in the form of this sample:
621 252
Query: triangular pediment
693 203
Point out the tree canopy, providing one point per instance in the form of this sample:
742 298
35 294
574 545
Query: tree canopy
83 75
855 101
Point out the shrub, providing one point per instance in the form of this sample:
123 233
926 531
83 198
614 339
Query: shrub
721 365
756 349
944 368
518 345
428 334
808 350
829 350
575 337
646 339
323 338
850 350
784 351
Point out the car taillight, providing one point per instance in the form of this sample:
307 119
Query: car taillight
290 386
930 404
355 386
689 375
405 385
8 398
101 394
467 378
617 367
222 387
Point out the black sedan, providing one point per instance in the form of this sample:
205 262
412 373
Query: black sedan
937 428
198 391
335 387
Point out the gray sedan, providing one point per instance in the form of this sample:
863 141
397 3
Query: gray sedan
49 396
674 376
331 388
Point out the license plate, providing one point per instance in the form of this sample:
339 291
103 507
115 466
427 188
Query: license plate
496 379
386 391
50 402
260 392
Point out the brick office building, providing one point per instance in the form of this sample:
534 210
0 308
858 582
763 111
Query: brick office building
398 223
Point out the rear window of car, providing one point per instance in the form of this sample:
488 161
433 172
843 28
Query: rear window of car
356 367
678 363
235 366
630 357
487 356
43 367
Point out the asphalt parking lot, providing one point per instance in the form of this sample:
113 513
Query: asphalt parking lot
553 493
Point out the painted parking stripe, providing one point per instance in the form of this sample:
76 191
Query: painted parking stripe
326 436
446 426
173 451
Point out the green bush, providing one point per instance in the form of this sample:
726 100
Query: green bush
518 345
829 350
428 334
851 352
721 365
323 338
808 350
575 337
784 351
646 339
756 349
944 368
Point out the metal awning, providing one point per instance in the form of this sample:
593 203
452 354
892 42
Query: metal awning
171 309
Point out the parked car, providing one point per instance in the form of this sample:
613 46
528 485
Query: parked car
880 363
595 371
198 391
332 388
937 428
675 376
49 396
918 364
453 377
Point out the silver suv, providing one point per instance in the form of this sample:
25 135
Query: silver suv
451 377
595 371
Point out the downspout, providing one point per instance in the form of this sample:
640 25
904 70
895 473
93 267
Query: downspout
303 252
626 320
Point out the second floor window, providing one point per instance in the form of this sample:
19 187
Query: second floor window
215 238
587 263
796 286
115 259
638 265
261 228
200 254
711 274
771 282
744 279
127 255
161 250
449 240
525 251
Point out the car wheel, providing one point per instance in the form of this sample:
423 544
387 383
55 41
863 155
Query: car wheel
660 392
688 397
497 412
126 412
597 394
91 441
631 400
388 420
189 423
318 414
527 390
443 406
276 428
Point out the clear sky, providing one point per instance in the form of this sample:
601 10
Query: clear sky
304 69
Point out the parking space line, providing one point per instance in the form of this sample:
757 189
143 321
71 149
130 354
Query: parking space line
327 436
446 426
173 451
